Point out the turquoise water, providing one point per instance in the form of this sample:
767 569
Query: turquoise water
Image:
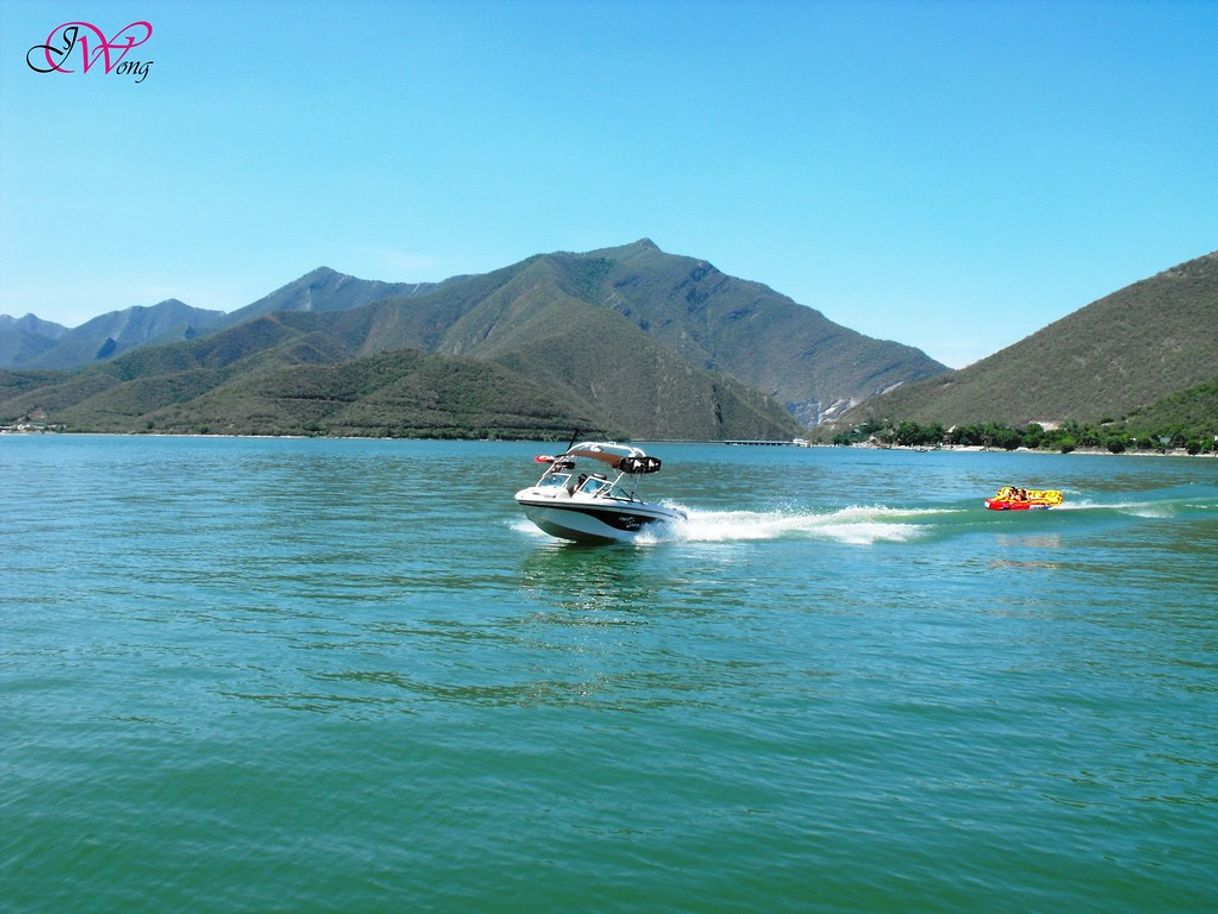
306 675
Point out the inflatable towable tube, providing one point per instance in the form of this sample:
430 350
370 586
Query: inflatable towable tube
1013 498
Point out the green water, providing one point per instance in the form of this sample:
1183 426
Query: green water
273 675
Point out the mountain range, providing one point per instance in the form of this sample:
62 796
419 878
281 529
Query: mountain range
624 341
628 338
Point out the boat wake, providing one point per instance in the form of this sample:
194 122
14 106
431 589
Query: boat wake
1148 508
866 525
1133 509
856 525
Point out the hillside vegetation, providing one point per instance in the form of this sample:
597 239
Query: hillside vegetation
816 367
1191 413
1119 354
282 375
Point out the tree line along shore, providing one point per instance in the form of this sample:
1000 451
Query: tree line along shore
1070 435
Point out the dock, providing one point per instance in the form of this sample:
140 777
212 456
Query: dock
757 442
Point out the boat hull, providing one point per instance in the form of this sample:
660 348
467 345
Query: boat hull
583 521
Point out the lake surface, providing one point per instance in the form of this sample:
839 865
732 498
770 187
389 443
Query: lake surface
311 675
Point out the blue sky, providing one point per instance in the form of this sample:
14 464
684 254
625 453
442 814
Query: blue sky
950 175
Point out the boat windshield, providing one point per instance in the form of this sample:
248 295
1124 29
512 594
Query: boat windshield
594 485
597 485
603 488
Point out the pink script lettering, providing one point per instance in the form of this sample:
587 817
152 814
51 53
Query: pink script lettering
55 55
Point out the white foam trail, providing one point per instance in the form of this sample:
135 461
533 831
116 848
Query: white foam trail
1136 508
857 525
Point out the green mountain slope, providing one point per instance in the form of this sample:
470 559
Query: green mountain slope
241 381
712 321
1124 351
404 393
1195 409
525 317
816 367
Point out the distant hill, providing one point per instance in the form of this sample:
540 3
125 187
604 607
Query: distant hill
42 344
32 324
24 339
1125 351
21 347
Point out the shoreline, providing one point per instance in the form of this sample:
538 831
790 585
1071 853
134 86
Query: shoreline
953 448
979 449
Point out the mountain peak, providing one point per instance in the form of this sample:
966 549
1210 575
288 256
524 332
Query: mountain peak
319 273
626 251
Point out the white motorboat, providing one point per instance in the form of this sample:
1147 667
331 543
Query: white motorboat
588 494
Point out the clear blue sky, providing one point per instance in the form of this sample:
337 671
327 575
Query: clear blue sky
950 175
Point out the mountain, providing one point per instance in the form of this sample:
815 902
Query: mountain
1127 350
103 337
324 289
527 312
743 329
656 344
567 317
816 367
